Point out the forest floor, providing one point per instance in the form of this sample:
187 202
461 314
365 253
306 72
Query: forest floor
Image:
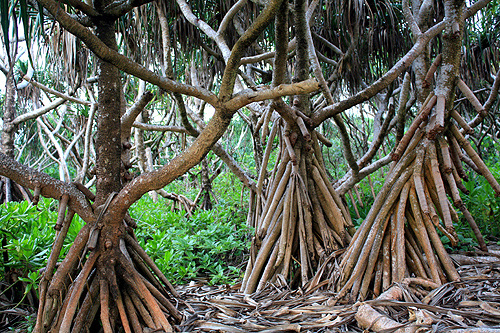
471 305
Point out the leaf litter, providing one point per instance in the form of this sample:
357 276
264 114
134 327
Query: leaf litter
469 305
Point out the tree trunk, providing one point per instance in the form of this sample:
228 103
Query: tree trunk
117 276
10 191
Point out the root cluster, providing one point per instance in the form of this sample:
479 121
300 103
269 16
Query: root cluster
120 285
299 220
401 235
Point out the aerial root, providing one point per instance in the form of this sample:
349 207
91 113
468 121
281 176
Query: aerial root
398 238
302 220
121 286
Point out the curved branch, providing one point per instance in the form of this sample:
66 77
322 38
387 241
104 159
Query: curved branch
50 187
254 31
344 135
121 61
229 16
132 113
157 179
63 167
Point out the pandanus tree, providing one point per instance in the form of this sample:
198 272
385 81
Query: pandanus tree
400 238
106 275
298 215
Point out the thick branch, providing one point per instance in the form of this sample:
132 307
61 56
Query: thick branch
248 96
84 8
119 8
50 187
158 128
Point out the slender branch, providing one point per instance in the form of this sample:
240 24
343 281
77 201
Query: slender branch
377 142
121 61
38 112
55 92
328 44
382 82
225 157
86 148
4 70
292 45
63 167
229 16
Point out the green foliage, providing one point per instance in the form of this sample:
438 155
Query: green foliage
466 242
209 244
481 201
27 234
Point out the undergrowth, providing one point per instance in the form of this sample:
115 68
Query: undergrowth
209 244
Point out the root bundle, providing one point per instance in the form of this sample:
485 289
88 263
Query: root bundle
401 235
299 220
121 283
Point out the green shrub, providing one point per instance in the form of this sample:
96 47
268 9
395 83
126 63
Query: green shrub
209 244
27 234
482 203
